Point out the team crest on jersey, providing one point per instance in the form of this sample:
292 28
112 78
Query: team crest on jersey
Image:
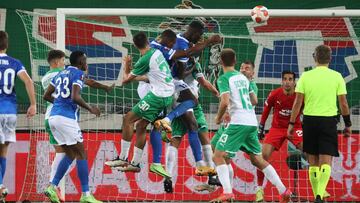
291 47
100 37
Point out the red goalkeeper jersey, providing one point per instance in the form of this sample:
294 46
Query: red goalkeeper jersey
282 105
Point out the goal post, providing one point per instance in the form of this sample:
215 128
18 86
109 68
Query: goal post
285 42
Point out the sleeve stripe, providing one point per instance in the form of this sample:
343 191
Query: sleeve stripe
132 73
74 83
183 60
21 71
224 92
171 53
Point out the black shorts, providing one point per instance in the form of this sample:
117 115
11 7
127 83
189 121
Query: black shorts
320 135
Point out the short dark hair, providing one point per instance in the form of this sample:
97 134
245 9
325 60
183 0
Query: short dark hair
322 54
288 72
55 54
140 40
4 40
197 25
228 57
75 57
168 35
249 62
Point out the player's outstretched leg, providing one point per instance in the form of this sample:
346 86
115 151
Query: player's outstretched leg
128 127
3 152
156 143
187 101
272 176
170 159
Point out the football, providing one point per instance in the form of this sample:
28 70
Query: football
260 14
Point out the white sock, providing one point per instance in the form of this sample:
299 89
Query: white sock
86 193
200 163
208 153
125 147
57 159
137 156
223 173
259 188
231 174
167 119
274 178
170 157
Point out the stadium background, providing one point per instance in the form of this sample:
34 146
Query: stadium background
19 49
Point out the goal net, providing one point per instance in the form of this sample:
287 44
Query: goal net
283 43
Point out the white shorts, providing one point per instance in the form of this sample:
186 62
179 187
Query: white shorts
66 131
7 128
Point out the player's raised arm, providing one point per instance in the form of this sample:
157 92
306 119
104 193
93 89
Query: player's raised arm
29 85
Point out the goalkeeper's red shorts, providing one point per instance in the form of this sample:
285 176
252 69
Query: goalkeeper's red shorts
277 136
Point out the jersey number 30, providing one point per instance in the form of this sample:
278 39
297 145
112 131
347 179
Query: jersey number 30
62 87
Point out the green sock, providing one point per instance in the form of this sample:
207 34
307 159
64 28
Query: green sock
325 172
314 176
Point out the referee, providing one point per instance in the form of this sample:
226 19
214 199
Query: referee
319 89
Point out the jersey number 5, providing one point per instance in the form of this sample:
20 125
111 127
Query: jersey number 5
64 91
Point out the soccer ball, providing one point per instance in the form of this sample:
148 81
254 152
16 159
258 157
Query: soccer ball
260 14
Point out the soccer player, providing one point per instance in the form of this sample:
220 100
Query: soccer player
10 68
152 63
319 89
242 131
56 60
64 92
281 101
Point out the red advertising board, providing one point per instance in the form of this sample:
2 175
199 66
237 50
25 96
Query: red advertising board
29 162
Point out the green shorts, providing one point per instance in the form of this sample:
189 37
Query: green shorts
239 137
151 106
51 136
179 129
217 135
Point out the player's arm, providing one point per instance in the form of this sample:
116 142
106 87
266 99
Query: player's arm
48 94
345 112
198 48
128 77
299 99
29 85
76 97
94 84
268 105
207 85
253 98
224 103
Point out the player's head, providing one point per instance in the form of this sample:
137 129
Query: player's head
78 59
140 40
288 80
247 68
4 40
194 31
56 58
322 55
168 38
228 58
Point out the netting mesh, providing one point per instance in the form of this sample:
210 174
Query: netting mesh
281 44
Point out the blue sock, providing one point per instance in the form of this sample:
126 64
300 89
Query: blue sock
155 139
3 168
61 170
83 174
195 145
181 109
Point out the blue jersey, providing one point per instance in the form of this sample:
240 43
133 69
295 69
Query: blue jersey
181 44
63 82
9 69
167 52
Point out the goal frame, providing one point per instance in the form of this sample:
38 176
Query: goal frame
61 13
